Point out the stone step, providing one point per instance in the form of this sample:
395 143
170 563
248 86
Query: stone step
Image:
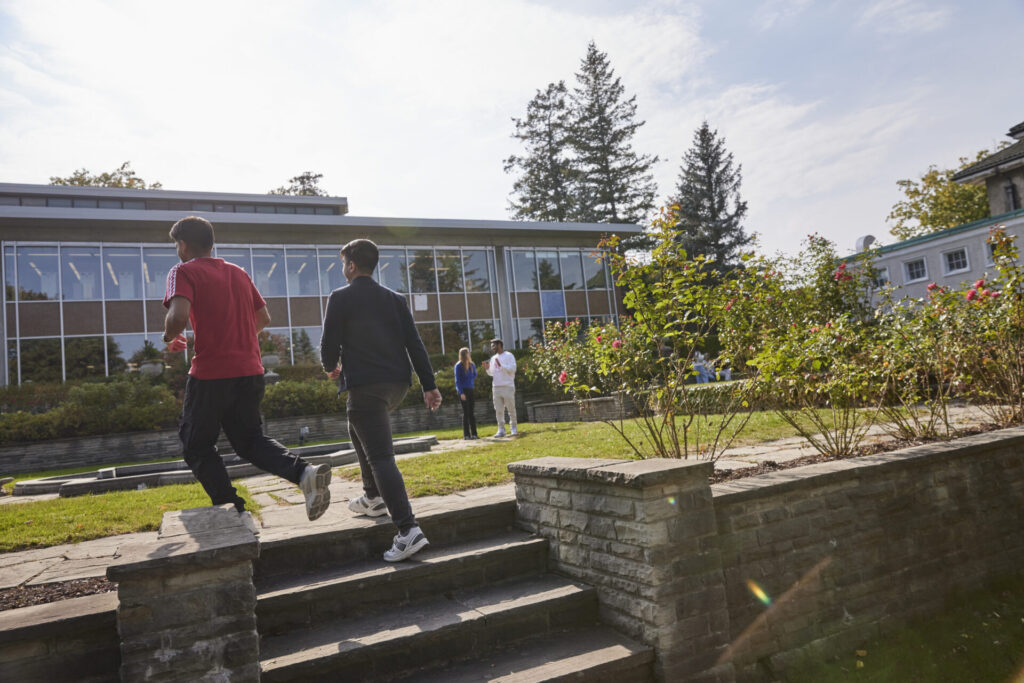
597 654
431 633
299 601
292 555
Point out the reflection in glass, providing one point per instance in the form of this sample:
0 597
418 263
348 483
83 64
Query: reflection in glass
481 332
430 333
12 362
122 272
594 272
302 275
552 305
268 272
456 335
238 255
37 274
9 274
572 270
547 267
80 278
331 277
40 359
277 340
129 349
531 330
156 263
524 271
306 345
474 264
391 270
449 270
83 357
421 271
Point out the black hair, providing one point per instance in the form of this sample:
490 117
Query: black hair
195 231
363 253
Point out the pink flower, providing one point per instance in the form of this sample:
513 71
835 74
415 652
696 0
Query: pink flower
617 344
994 295
979 284
598 338
932 286
563 377
972 294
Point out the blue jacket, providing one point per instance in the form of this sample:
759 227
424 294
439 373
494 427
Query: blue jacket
463 377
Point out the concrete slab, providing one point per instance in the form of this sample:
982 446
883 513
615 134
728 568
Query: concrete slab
69 570
17 574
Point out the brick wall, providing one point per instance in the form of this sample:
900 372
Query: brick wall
845 550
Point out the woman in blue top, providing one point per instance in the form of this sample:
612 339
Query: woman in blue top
465 375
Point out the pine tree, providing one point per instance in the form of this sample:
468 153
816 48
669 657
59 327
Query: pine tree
615 183
543 190
708 197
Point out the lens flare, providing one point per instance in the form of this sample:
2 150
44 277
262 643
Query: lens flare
671 500
758 592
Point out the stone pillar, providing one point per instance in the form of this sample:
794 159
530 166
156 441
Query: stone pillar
643 534
187 607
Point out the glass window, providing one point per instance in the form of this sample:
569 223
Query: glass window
80 278
324 211
285 209
238 255
524 271
552 304
956 260
990 255
37 274
530 330
268 271
481 332
263 208
125 351
9 273
84 203
12 362
109 203
245 208
123 273
391 270
202 206
58 201
881 277
547 268
224 208
474 265
456 335
40 360
280 339
306 345
137 204
33 201
83 357
302 275
430 333
9 201
421 271
594 272
449 270
331 277
307 210
572 270
915 270
156 264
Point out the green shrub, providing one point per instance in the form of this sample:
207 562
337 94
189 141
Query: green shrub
289 398
126 405
20 426
301 373
33 397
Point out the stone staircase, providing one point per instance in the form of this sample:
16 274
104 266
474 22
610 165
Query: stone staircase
477 604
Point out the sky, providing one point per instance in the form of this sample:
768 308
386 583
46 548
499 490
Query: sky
406 107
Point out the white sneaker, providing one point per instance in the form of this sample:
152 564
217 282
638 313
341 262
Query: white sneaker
314 482
501 433
514 433
371 507
406 545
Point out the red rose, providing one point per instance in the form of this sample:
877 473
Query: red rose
994 295
972 294
617 344
979 284
563 377
598 337
932 286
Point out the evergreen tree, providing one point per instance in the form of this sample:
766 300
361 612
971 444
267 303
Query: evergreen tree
615 184
708 196
543 190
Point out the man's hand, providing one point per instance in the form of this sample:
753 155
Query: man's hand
335 373
432 399
497 363
178 344
462 396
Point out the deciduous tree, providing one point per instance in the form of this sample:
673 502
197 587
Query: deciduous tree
305 184
123 176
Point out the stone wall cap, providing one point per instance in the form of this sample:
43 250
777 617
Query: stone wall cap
631 473
199 537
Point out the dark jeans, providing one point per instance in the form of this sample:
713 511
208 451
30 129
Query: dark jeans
233 404
468 416
369 426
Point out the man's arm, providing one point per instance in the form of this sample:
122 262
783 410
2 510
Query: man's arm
176 318
262 318
330 342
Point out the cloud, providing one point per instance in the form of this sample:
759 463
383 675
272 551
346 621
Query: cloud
772 12
904 16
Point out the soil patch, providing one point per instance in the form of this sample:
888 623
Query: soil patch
26 596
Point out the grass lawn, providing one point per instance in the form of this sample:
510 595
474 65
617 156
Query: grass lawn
44 523
978 637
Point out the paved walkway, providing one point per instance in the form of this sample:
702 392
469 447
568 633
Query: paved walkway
283 511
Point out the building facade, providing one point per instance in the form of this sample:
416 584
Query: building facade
85 268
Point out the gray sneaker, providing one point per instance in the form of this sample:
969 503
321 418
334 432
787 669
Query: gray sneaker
406 545
371 507
314 482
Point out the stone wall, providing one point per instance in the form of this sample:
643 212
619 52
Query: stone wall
588 410
843 551
102 451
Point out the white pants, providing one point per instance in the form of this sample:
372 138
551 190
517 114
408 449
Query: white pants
505 399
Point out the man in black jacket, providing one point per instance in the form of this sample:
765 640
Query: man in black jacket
369 338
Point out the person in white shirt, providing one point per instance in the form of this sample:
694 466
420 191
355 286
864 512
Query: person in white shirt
502 368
